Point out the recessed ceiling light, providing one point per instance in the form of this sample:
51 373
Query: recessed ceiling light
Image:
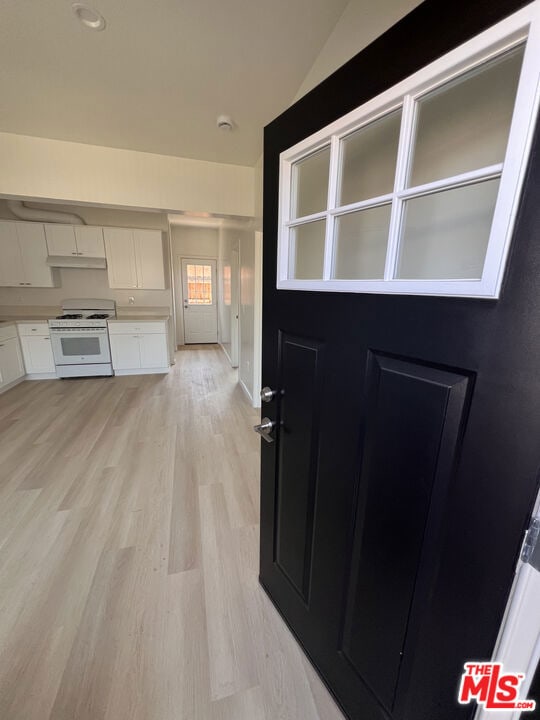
88 17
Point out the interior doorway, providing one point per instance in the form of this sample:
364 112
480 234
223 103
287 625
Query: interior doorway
199 300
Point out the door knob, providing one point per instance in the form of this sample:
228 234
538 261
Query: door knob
267 394
265 428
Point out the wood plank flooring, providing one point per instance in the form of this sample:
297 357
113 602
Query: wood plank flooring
129 555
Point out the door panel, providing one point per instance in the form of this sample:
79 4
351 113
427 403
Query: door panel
302 375
415 412
409 506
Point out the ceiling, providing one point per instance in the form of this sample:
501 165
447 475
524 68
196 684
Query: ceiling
160 73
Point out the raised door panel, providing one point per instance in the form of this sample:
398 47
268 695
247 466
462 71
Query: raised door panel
415 413
125 352
120 254
301 366
37 354
149 255
154 351
11 363
11 266
34 253
60 239
89 240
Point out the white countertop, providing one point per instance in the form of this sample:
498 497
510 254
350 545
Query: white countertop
140 318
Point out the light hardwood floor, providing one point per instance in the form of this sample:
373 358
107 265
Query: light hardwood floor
129 555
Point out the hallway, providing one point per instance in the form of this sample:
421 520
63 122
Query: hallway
129 555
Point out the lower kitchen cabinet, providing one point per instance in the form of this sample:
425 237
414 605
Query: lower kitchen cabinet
11 362
139 347
37 350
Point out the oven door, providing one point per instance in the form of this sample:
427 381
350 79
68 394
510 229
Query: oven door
80 346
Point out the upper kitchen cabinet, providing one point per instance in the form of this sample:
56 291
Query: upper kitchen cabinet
23 256
75 240
134 258
89 240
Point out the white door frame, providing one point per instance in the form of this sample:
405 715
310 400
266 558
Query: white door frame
235 307
518 645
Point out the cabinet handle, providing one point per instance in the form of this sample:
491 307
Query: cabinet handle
46 338
2 345
22 283
74 253
34 329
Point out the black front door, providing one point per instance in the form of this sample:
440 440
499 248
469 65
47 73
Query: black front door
405 462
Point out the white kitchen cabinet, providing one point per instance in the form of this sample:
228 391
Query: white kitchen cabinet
89 239
37 349
154 351
11 267
134 258
60 239
126 352
75 240
139 347
23 256
149 259
11 362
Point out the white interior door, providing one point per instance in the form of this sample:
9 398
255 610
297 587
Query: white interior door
199 300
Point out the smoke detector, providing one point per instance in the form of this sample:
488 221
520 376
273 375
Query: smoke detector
224 122
87 16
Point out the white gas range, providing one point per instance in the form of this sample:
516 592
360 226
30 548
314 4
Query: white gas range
80 338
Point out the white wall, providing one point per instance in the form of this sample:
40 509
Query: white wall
40 168
360 23
189 241
82 283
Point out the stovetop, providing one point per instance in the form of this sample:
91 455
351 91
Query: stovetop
85 313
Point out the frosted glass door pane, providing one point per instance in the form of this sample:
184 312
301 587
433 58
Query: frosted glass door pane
445 235
368 160
310 184
307 244
361 242
465 124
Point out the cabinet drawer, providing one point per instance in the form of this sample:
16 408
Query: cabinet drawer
8 331
39 328
143 328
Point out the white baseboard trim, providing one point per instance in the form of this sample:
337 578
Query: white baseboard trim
143 371
12 384
246 391
42 376
227 355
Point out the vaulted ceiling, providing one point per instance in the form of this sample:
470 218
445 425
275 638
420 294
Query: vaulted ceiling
160 73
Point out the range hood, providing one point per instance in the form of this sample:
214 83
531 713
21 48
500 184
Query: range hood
76 261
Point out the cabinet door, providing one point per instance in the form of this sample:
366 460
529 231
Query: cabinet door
120 254
37 354
11 267
60 239
11 363
89 241
125 351
149 256
34 255
154 351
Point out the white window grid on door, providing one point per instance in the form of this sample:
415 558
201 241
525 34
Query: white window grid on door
520 29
